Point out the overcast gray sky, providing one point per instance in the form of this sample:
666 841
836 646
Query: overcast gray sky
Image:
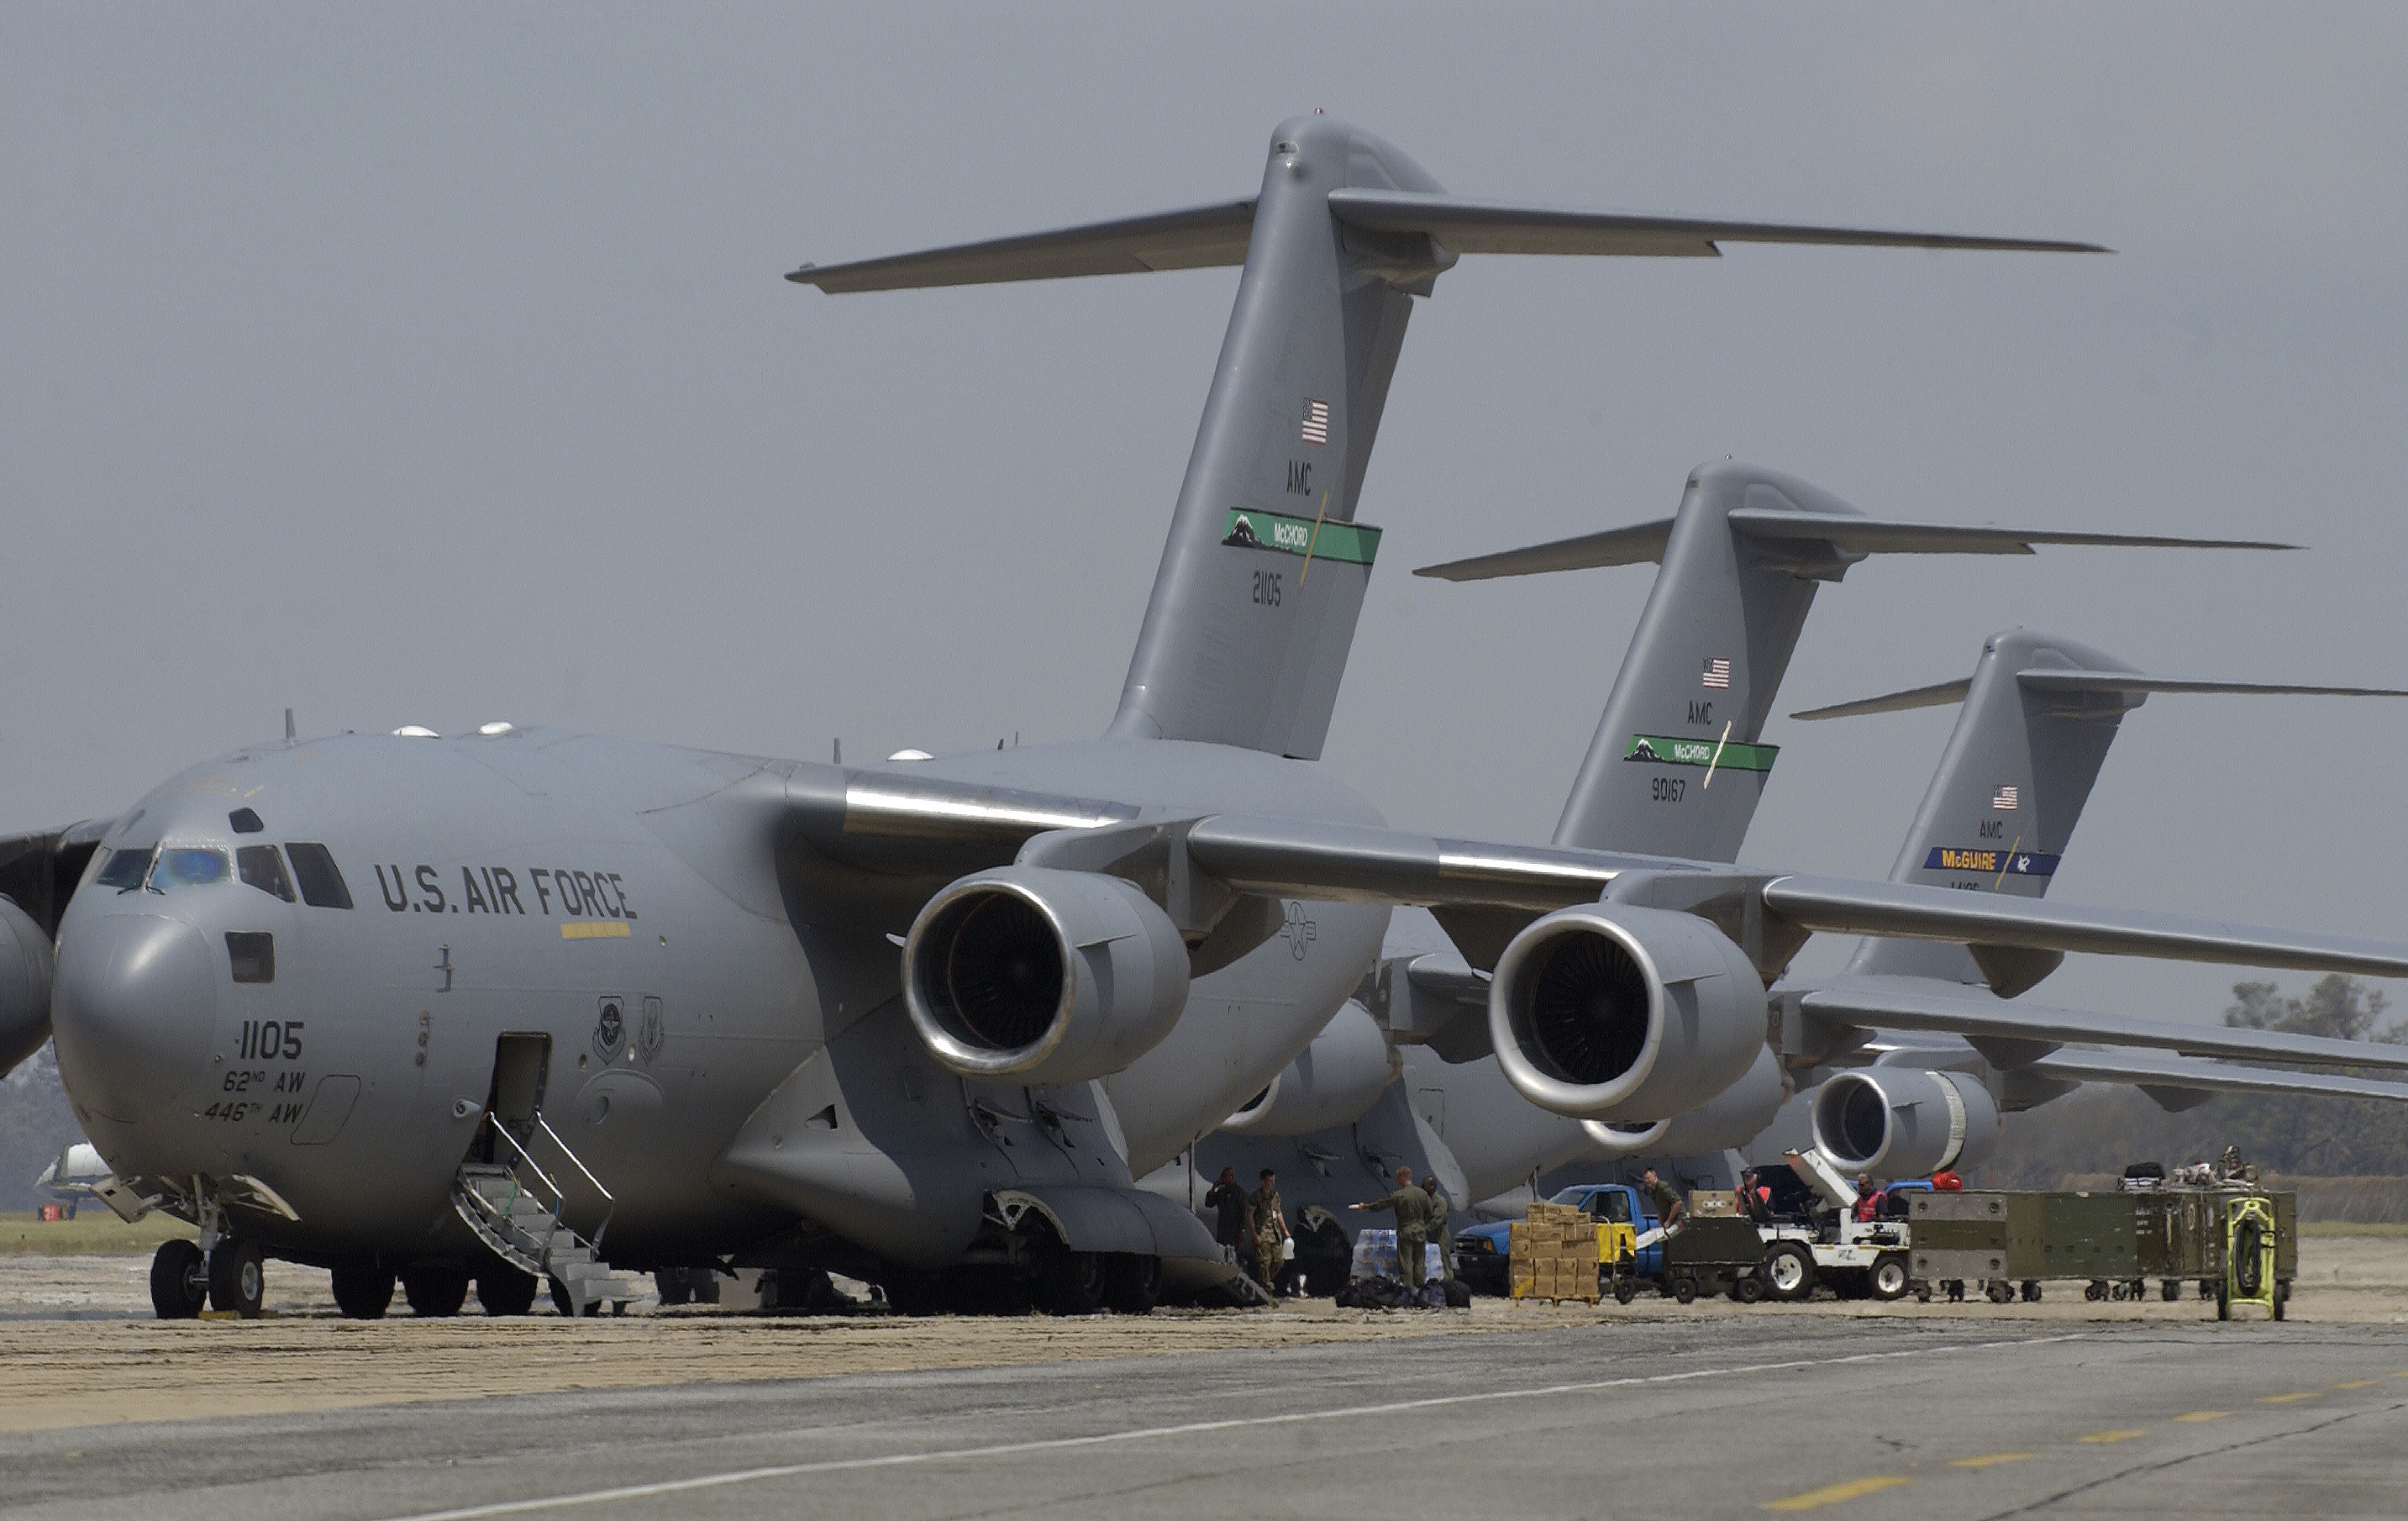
431 364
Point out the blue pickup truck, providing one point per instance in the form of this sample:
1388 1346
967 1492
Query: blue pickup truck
1481 1253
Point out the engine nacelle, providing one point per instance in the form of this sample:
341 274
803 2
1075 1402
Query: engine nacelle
1606 1011
1732 1117
1897 1122
27 967
1341 1075
1042 976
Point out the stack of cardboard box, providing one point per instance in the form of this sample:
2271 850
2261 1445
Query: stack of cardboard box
1554 1254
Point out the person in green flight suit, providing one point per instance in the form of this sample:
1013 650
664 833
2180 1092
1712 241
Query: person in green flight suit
1437 1229
1266 1229
1413 1225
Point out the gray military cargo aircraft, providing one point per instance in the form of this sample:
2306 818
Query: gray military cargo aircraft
1404 1075
521 1004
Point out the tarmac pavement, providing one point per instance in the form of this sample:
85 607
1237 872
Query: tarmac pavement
1954 1416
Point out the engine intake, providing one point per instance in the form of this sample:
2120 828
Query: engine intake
1607 1012
1897 1122
1342 1074
1042 975
27 969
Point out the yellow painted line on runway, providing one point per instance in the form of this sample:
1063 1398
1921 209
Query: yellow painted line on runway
2286 1399
2204 1416
2103 1438
1989 1460
2357 1384
1831 1494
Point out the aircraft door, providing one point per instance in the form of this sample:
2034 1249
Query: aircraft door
521 1064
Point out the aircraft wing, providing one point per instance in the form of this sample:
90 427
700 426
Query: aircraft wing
873 818
1839 906
1902 1004
2164 1077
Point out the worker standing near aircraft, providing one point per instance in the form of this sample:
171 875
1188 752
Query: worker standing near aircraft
1437 1228
1227 1198
1413 1225
1666 1198
1267 1228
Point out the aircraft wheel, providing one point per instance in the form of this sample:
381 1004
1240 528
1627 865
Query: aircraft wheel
2093 1290
1748 1290
1132 1282
1684 1290
238 1277
179 1279
435 1289
1888 1280
1788 1271
2170 1290
503 1290
363 1288
671 1284
1997 1291
1073 1283
2031 1293
566 1303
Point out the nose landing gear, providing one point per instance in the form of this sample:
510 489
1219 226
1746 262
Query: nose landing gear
179 1279
222 1270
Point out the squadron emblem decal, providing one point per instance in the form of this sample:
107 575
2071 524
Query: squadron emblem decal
610 1030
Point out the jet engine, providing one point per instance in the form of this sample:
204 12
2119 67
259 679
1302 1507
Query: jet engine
1042 976
1732 1117
1342 1074
1897 1122
27 967
1606 1011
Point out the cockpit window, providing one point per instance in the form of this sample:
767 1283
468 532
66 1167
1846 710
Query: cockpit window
262 868
188 866
322 883
126 869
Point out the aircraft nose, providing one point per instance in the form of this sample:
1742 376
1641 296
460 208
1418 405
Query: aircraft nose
134 1011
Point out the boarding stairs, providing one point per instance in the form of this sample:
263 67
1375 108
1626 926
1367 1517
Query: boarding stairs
515 1208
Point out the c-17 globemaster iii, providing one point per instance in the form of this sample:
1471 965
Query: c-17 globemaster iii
521 1004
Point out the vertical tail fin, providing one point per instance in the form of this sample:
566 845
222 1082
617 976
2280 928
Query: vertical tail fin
1676 768
1255 605
2039 713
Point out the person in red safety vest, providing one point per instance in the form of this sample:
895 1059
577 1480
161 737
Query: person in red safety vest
1868 1199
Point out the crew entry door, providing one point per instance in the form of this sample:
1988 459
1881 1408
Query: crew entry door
521 1064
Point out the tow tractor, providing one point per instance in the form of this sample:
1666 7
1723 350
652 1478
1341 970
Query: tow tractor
1784 1256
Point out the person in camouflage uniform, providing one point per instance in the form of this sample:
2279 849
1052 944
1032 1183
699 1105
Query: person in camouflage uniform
1266 1229
1437 1229
1413 1225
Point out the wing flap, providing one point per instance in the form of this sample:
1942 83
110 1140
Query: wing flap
2154 1072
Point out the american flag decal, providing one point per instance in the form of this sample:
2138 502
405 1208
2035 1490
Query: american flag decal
1317 421
2003 799
1717 675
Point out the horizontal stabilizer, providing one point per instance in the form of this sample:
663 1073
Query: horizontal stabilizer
1463 226
1195 237
1642 543
1837 905
1892 1003
2153 1074
1847 534
2117 682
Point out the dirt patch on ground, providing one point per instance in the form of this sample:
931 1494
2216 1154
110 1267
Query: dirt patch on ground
81 1347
